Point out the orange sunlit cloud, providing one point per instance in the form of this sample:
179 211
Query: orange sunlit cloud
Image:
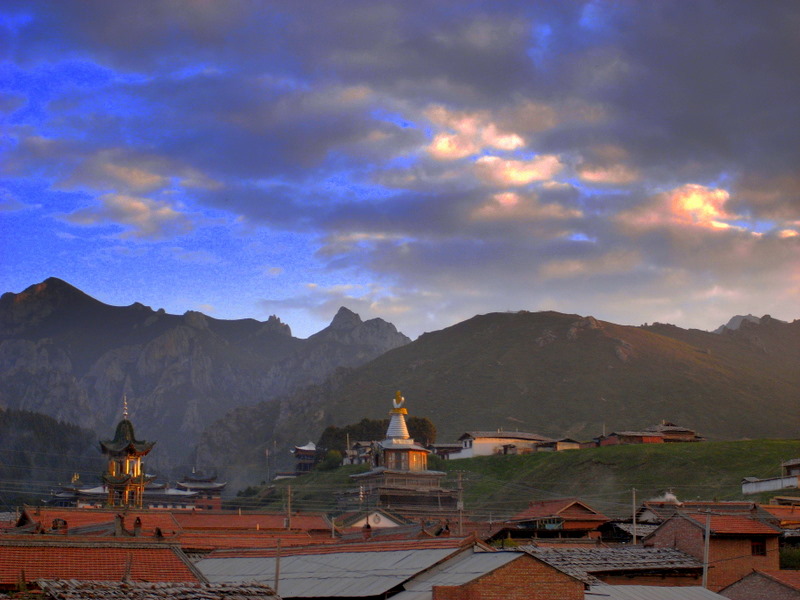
517 172
513 206
690 204
613 175
467 134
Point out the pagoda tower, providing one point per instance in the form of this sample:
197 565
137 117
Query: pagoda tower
125 478
400 479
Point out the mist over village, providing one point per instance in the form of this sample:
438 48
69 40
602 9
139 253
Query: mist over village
399 300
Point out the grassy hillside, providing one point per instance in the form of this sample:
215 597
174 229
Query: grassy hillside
498 486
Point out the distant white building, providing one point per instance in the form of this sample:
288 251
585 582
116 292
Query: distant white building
488 443
790 479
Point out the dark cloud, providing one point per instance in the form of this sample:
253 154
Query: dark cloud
515 150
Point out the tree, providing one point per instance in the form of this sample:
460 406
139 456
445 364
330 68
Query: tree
422 430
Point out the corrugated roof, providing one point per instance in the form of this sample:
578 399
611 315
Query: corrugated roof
646 592
138 590
340 574
459 570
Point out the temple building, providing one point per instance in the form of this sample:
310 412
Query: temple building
125 478
400 480
208 489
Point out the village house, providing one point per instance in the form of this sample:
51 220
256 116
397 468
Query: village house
790 478
630 437
547 519
738 543
675 433
488 443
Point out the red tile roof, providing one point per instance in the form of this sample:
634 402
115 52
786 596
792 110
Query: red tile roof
86 517
59 559
253 521
381 546
788 514
566 508
212 540
734 524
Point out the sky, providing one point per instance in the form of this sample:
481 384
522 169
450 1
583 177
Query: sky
417 161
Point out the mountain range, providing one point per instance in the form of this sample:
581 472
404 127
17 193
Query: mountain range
69 356
232 395
554 374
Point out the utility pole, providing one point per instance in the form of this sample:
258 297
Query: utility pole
289 507
277 566
460 506
705 548
634 514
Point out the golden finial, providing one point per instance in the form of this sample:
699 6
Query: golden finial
124 406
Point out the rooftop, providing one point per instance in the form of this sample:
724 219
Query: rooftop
584 563
139 590
91 560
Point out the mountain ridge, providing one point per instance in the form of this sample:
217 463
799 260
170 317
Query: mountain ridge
70 356
555 374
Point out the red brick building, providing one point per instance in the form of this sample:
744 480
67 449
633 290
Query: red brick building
525 578
738 544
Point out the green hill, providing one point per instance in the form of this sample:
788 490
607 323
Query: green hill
499 486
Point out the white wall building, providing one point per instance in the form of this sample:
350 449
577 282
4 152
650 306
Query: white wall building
488 443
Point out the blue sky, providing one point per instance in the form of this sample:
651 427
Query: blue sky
419 162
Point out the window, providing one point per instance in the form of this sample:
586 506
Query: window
758 547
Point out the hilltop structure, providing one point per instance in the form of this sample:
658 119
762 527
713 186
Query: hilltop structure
400 479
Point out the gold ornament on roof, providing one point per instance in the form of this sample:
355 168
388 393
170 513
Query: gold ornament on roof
398 402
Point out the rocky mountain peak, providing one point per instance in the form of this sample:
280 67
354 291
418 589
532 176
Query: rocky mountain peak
345 319
275 325
37 302
736 322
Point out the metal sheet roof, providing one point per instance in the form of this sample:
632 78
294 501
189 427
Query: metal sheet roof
347 574
646 592
456 571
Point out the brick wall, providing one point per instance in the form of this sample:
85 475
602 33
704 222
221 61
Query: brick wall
526 578
730 558
756 585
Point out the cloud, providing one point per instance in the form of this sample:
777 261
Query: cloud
511 172
467 134
627 157
514 206
688 205
143 218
